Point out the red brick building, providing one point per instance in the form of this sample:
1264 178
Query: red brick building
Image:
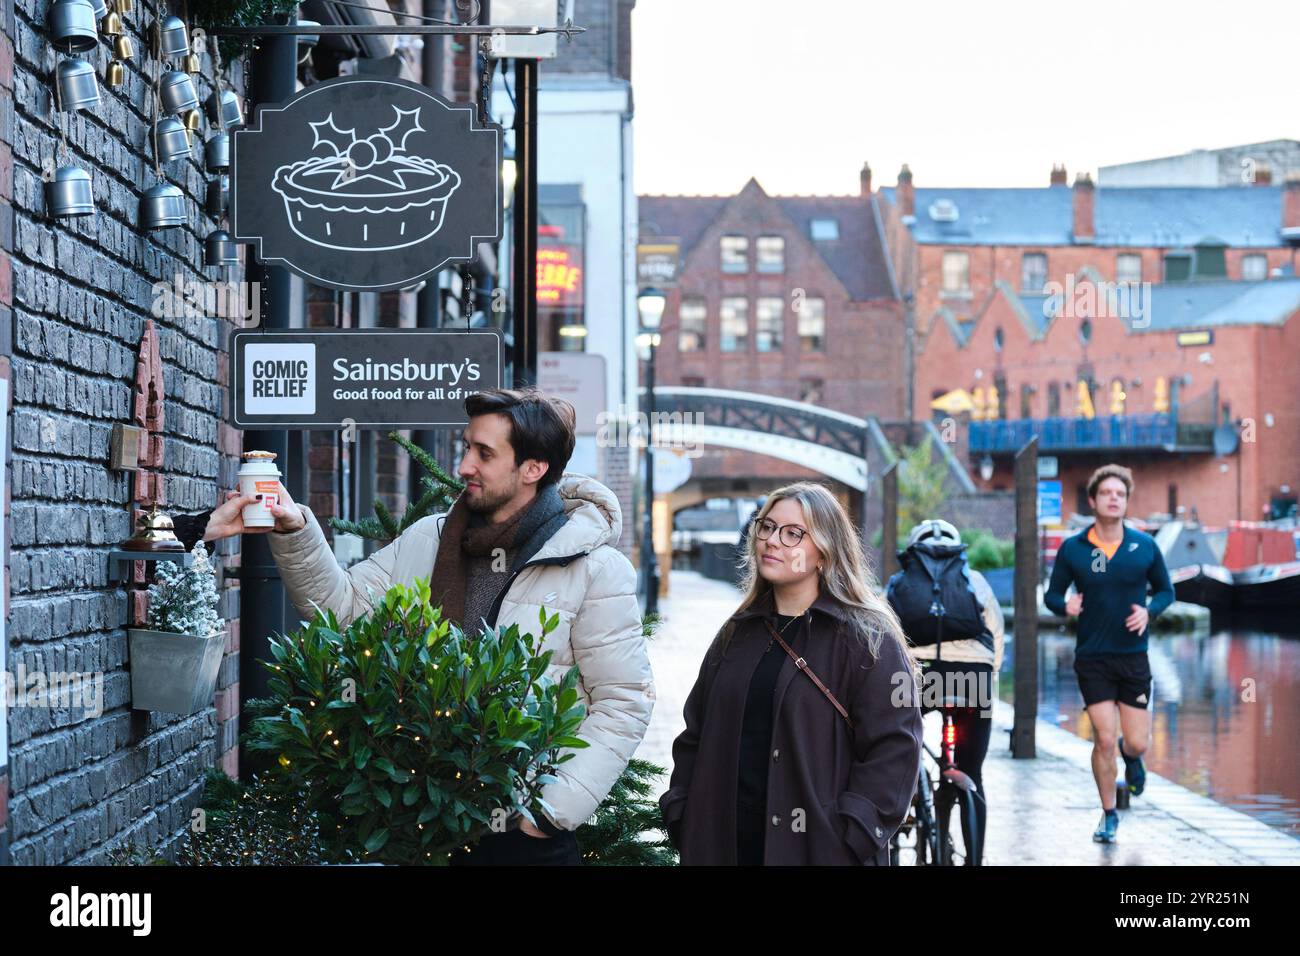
786 296
1174 307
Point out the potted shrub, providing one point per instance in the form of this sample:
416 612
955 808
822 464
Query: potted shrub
407 737
175 660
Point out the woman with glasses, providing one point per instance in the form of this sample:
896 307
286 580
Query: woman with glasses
803 733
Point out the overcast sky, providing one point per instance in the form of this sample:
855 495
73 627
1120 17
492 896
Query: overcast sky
968 94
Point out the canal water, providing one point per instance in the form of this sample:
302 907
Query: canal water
1225 718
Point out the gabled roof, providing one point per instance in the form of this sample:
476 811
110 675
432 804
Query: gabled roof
857 258
1237 216
1186 305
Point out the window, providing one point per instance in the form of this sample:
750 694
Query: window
1053 400
1085 331
998 339
1254 268
824 230
692 318
769 315
735 254
734 316
998 397
1033 272
812 325
1128 267
1026 401
1210 262
1178 266
693 381
956 273
771 254
812 390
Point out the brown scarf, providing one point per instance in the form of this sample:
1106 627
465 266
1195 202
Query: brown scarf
464 537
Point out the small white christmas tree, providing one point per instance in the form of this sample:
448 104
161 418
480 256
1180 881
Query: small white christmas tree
184 600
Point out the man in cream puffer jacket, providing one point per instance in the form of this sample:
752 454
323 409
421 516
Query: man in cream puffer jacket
577 573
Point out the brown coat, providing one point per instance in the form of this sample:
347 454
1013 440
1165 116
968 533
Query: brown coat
833 797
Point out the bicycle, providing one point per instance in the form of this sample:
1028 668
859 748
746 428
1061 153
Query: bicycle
940 786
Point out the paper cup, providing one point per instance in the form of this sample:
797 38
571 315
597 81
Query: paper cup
259 476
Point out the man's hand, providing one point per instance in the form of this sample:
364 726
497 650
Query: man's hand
531 830
288 517
1074 604
1137 621
227 520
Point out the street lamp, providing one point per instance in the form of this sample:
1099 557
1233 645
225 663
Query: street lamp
650 306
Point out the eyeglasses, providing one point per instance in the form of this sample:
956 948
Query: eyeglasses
791 534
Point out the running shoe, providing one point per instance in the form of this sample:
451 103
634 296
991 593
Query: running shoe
1135 774
1106 830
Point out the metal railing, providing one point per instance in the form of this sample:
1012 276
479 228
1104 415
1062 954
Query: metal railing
1155 431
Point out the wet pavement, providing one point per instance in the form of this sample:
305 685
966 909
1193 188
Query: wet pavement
1041 811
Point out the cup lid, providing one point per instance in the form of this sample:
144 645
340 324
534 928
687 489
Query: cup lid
259 455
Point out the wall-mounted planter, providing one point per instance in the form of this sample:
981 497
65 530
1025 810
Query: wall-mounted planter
173 673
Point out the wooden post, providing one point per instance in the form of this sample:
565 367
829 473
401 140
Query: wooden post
1025 620
888 522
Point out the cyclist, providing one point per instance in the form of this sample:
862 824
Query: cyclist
1110 566
954 623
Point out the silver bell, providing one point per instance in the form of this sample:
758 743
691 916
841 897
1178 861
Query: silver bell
176 92
68 193
170 38
218 197
100 8
162 206
219 250
225 111
172 139
216 153
78 87
72 26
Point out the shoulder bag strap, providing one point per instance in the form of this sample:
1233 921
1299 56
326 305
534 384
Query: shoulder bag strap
802 664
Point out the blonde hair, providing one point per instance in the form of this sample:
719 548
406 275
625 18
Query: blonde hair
845 576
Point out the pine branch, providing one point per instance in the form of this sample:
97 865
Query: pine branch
426 461
386 520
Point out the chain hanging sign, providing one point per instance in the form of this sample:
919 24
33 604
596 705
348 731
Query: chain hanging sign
366 184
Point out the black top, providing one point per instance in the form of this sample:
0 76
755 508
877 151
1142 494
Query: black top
756 729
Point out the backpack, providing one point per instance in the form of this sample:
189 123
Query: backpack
932 596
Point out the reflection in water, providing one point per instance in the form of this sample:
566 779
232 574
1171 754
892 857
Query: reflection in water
1226 709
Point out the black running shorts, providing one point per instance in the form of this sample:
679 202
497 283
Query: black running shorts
1122 677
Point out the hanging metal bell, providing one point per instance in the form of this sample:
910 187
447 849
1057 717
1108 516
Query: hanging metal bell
193 121
216 153
176 92
72 26
172 138
115 73
78 87
219 250
170 38
123 48
218 197
68 193
101 9
162 206
111 25
124 6
193 63
225 110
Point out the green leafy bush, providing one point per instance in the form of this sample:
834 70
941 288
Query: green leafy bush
409 738
985 552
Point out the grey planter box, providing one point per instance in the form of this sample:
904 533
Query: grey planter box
173 673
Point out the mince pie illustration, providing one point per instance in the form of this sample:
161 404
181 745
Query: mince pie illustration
371 194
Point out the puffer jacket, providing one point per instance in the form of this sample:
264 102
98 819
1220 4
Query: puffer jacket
578 574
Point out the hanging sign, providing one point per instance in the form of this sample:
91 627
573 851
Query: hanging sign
367 378
366 183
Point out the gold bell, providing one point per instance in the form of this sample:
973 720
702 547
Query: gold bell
193 123
111 25
124 6
115 73
123 48
193 63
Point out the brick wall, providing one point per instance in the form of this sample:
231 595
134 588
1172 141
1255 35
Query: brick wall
81 291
